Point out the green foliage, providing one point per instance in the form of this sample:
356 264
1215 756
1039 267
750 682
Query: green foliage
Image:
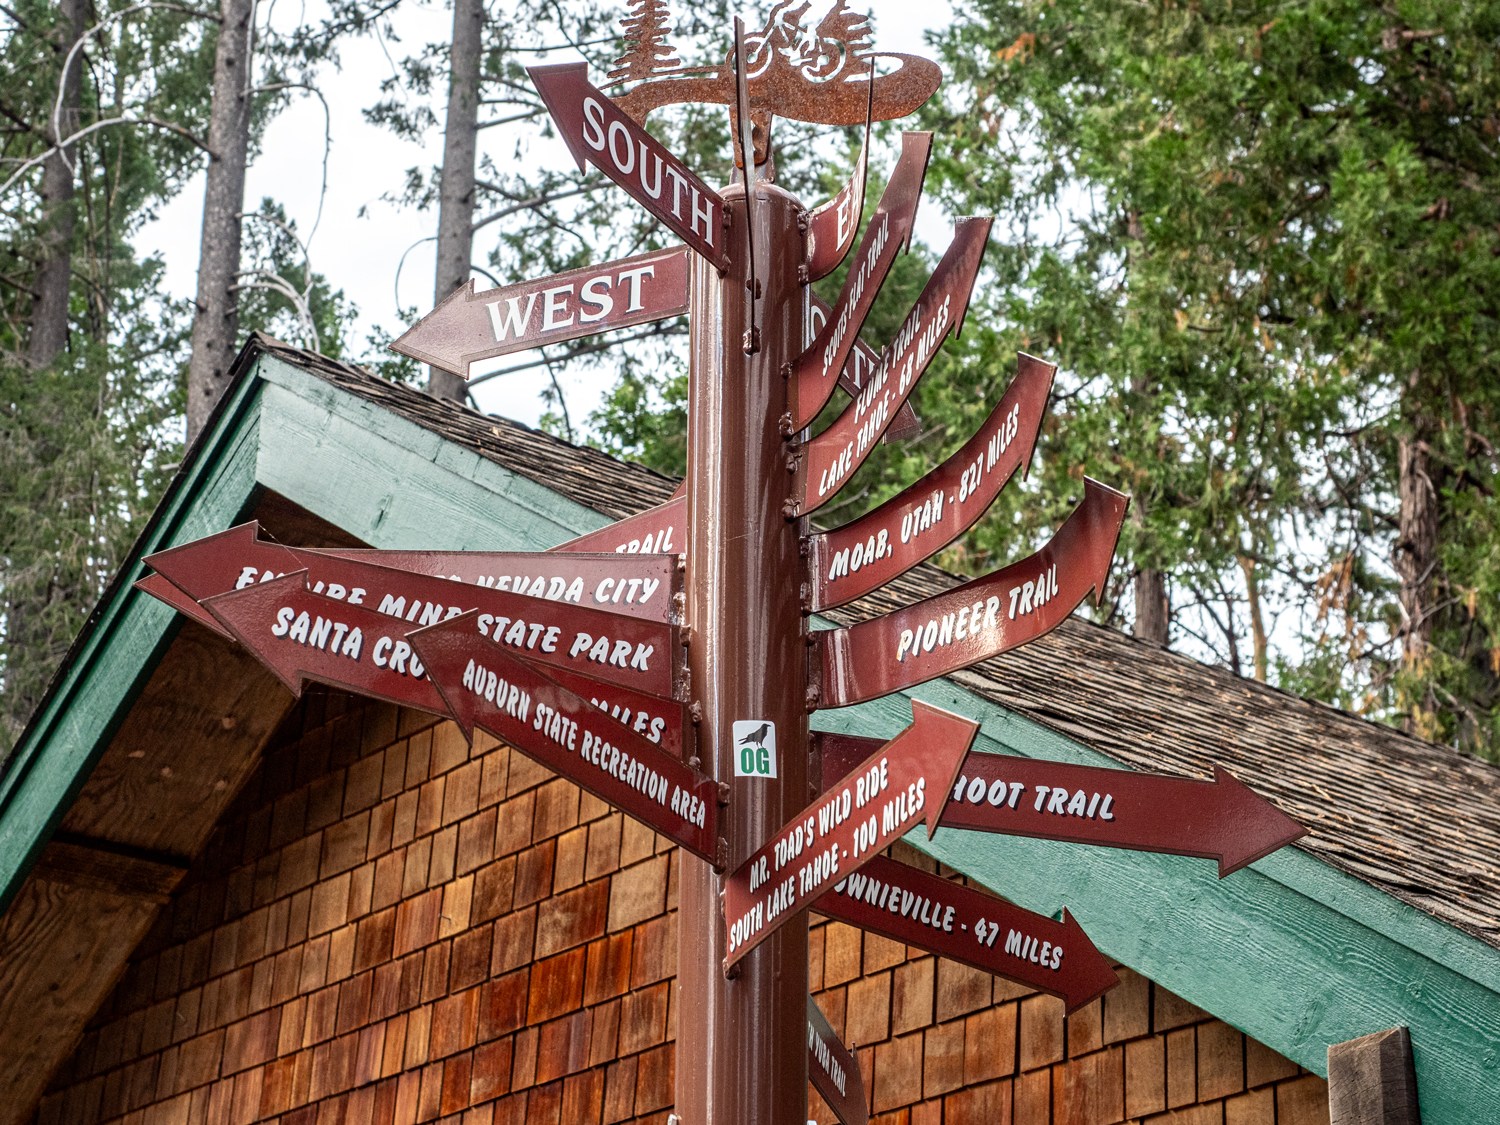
1263 239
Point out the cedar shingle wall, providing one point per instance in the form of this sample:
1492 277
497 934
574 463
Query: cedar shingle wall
390 928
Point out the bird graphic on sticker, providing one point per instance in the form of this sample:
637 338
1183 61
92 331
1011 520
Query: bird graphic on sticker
755 748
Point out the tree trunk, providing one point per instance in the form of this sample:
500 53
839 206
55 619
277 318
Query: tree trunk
1257 618
49 314
1153 612
1416 555
455 240
216 323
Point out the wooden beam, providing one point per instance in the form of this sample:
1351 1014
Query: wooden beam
1372 1080
88 863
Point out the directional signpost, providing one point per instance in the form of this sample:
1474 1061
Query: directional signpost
667 662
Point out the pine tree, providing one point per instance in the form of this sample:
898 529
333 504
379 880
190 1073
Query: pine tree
647 50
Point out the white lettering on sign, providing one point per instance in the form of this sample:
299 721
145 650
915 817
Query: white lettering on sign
652 726
586 301
652 543
997 794
824 1056
632 160
850 560
1062 801
630 591
322 633
506 696
865 268
250 575
968 621
1031 949
898 900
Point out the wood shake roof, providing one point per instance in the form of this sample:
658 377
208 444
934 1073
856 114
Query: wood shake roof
1418 821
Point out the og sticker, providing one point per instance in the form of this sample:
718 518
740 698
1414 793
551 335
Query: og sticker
754 748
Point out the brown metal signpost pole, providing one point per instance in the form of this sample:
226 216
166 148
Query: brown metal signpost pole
742 1042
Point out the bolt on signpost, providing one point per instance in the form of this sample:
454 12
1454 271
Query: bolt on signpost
666 663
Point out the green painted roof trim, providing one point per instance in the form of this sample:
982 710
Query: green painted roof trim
1290 950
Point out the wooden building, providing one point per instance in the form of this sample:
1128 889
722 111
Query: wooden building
224 905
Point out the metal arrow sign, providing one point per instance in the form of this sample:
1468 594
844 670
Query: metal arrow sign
516 701
300 635
980 619
827 461
598 132
875 804
863 362
831 228
852 560
814 373
833 1070
640 654
907 904
1223 819
467 327
657 530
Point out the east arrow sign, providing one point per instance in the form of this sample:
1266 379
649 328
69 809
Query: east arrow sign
636 653
852 560
907 904
658 530
827 461
979 619
863 361
516 701
815 372
833 1070
831 228
1223 819
599 132
300 635
467 327
877 803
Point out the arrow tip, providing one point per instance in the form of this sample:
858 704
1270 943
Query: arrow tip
436 338
1251 826
235 609
1034 379
551 81
1105 508
1090 973
953 735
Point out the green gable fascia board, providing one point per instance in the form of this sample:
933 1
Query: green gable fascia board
395 484
1290 950
120 644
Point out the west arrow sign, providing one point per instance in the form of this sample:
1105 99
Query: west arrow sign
163 591
467 326
658 530
852 560
1222 819
907 904
827 461
516 701
634 585
833 1070
636 653
875 804
661 721
599 132
300 635
815 372
977 620
863 361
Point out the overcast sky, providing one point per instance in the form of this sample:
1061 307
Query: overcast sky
359 238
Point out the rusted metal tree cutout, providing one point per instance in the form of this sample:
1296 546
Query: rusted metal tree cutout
809 62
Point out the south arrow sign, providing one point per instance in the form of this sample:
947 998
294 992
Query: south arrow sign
878 802
639 654
827 461
907 904
467 327
815 372
599 132
517 702
980 619
852 560
1223 819
833 1070
300 635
